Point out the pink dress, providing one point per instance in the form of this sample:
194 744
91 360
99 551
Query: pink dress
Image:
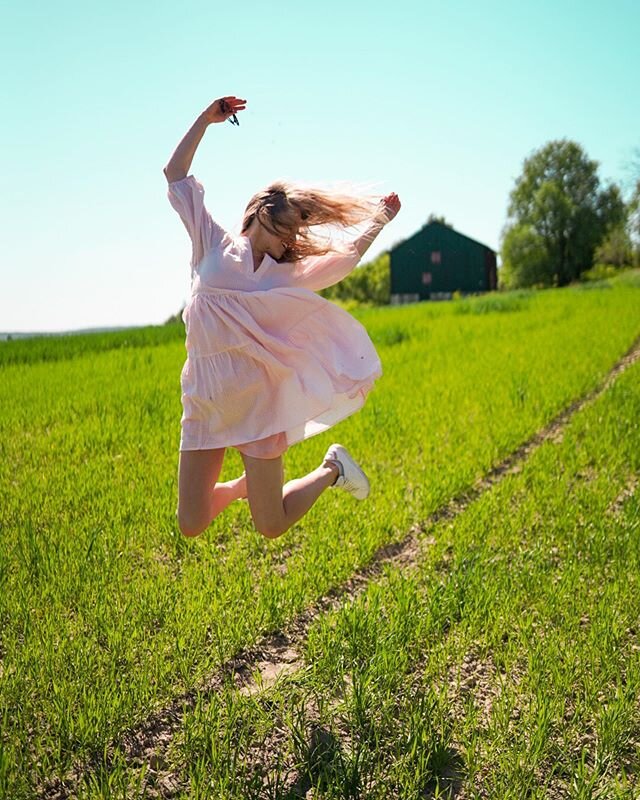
269 361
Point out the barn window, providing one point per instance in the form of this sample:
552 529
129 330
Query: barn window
426 277
436 257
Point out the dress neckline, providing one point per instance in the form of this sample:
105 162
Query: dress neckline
254 269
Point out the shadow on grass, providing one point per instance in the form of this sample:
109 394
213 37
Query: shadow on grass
328 767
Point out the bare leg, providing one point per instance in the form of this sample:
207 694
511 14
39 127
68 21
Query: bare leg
223 494
201 497
274 507
300 494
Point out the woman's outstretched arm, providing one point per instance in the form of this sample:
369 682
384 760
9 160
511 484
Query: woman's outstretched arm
389 207
219 111
320 272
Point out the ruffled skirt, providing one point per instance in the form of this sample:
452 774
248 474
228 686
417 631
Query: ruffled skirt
270 368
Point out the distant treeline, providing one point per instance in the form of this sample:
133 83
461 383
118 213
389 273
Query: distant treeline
564 225
367 285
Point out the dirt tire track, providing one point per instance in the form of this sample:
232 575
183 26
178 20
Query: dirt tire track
278 653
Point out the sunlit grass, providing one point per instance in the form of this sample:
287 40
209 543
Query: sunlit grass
508 664
65 346
108 612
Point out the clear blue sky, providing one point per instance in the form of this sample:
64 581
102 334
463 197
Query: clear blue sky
440 102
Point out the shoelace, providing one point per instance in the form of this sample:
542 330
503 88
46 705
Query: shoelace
349 484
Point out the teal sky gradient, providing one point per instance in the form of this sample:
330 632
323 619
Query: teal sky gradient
439 102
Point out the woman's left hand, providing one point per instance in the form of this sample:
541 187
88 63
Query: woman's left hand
390 205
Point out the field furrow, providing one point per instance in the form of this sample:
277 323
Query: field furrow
504 663
111 621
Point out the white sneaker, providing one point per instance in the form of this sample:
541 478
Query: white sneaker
351 477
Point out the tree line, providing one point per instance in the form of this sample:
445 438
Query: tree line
563 225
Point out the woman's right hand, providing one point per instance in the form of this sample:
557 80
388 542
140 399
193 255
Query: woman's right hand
223 108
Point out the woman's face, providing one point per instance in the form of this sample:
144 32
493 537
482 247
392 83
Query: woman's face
280 237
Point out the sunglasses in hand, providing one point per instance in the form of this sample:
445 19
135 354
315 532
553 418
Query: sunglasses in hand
224 107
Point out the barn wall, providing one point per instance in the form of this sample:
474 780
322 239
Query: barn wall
438 261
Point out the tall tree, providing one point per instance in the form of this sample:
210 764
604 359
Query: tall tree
566 214
634 205
634 222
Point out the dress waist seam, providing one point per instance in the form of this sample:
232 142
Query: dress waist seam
214 290
196 355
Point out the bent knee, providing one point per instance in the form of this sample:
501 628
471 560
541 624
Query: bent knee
189 525
270 533
269 529
270 522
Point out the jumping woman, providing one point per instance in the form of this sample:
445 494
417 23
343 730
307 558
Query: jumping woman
269 361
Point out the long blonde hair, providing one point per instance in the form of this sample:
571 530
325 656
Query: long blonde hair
282 205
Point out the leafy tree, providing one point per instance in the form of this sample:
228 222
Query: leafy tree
524 259
616 249
368 283
175 318
560 215
634 222
634 210
441 220
633 206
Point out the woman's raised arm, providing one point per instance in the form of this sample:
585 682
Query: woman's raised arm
219 111
389 207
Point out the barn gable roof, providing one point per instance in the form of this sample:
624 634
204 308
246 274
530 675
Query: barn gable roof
438 225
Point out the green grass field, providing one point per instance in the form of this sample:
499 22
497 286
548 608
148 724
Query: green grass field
505 663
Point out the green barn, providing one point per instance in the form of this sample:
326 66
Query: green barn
437 261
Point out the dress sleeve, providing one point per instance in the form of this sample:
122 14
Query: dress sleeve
319 272
187 197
